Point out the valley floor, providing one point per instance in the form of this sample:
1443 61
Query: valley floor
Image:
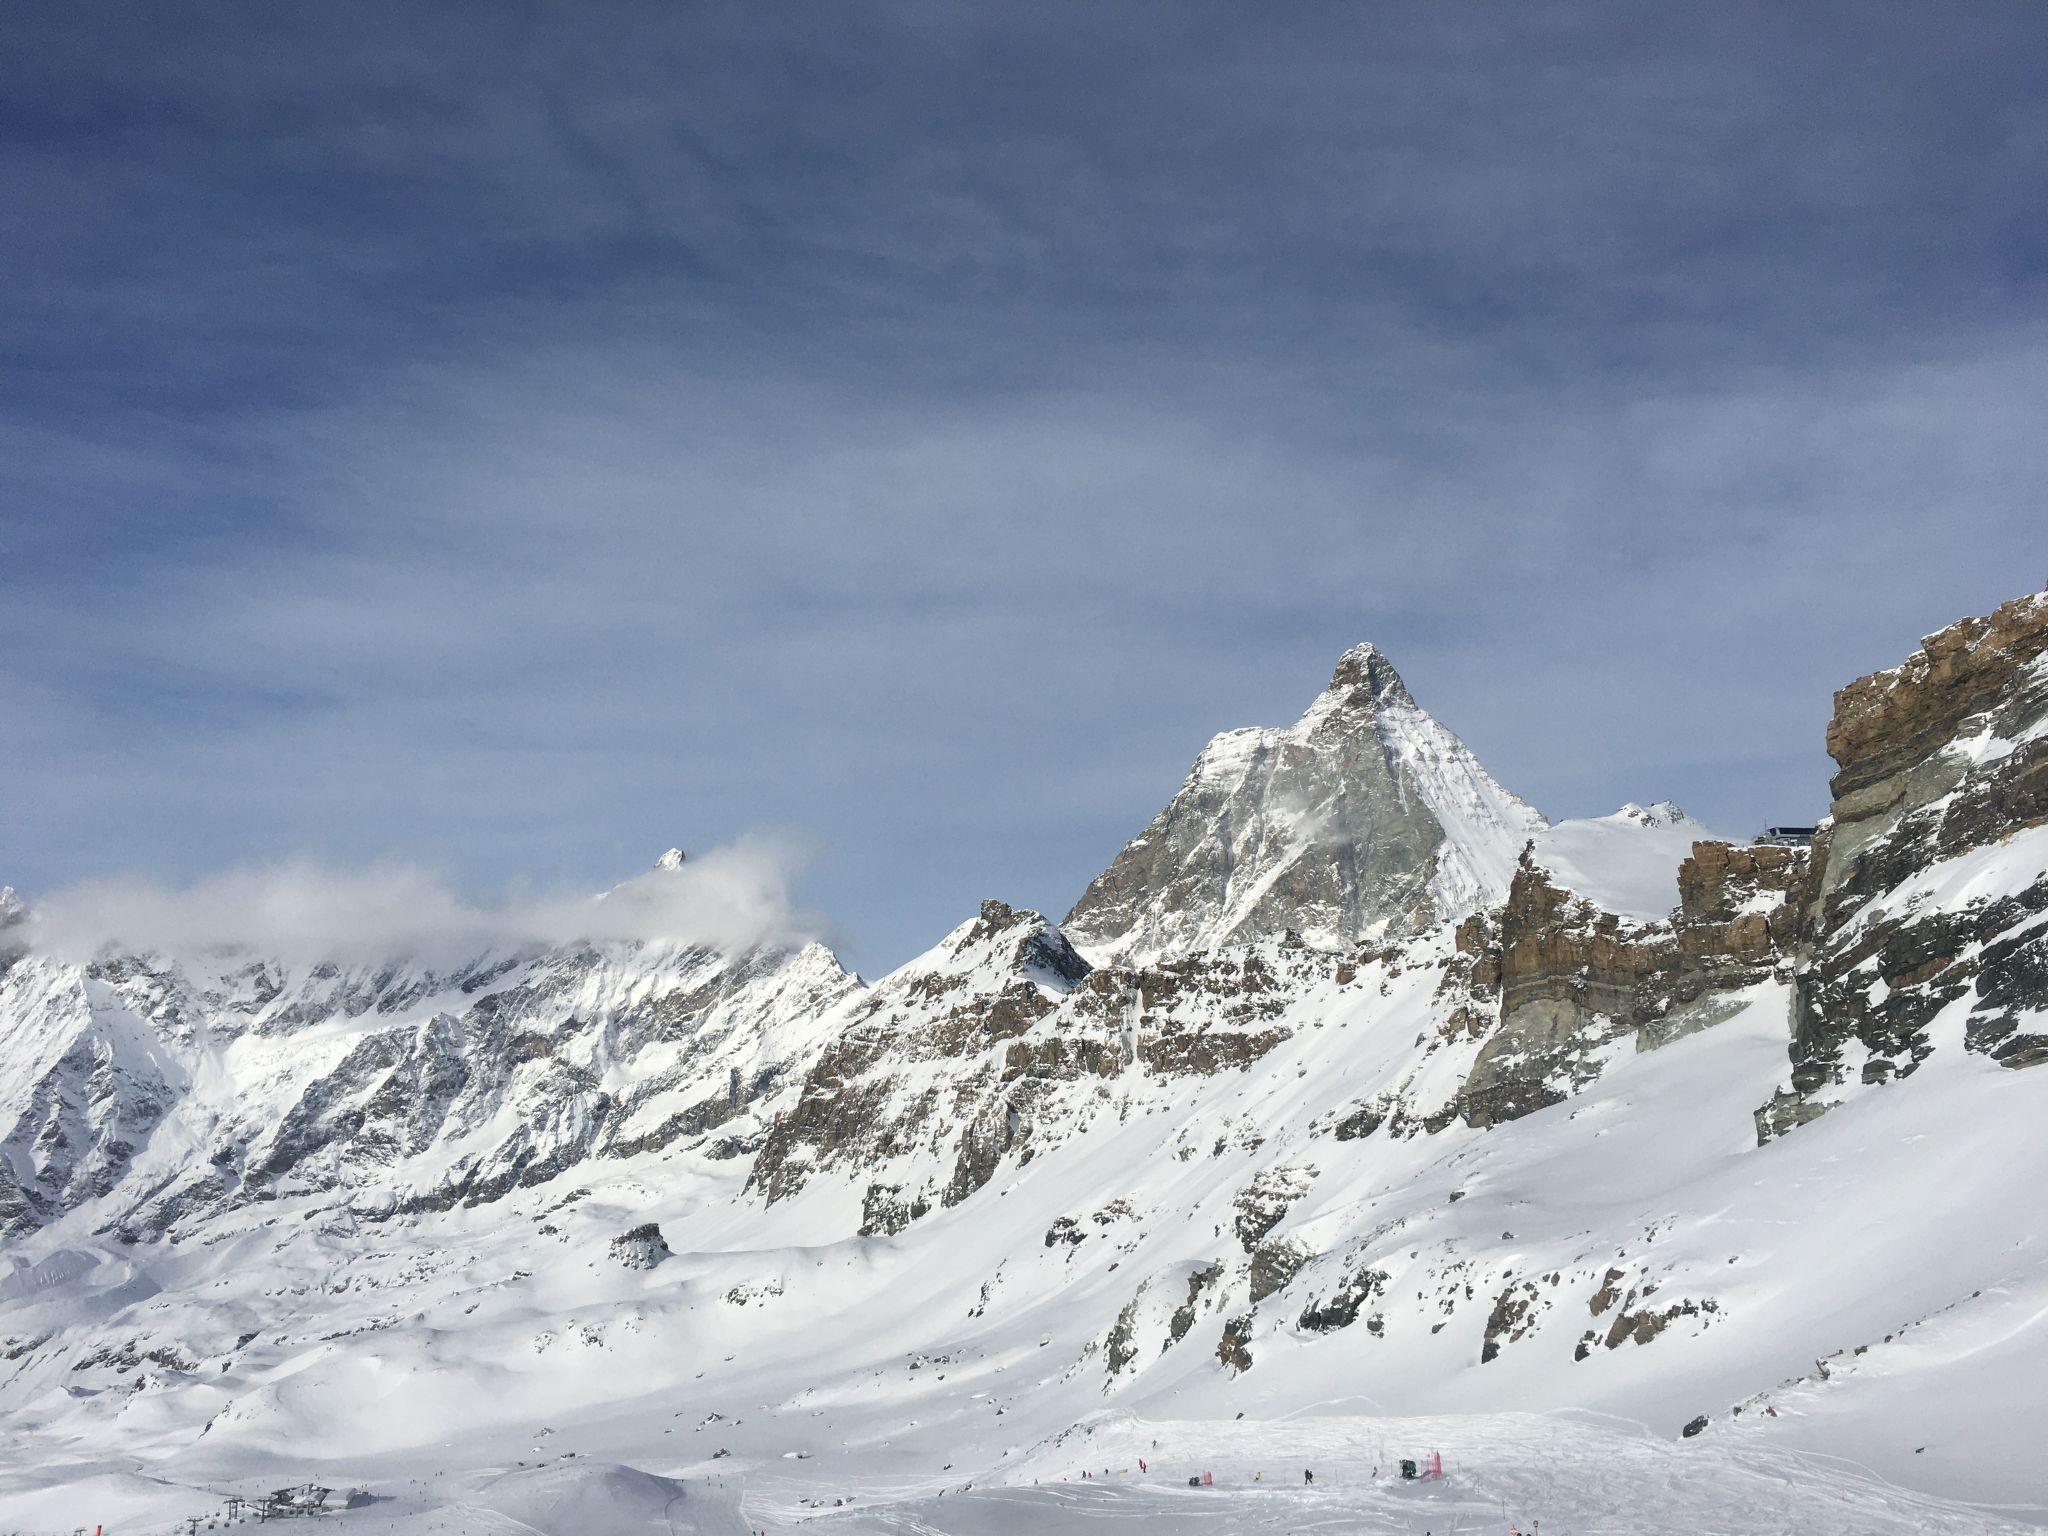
1567 1474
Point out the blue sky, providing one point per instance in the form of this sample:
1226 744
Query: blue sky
519 438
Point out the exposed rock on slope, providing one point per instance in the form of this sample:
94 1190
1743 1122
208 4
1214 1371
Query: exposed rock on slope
999 1044
1930 891
85 1085
414 1090
1576 981
642 1248
1364 817
869 1099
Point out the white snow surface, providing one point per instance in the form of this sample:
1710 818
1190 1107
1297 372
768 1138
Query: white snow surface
1627 862
489 1368
1485 825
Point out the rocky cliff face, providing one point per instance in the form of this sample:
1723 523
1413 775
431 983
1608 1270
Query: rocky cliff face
1364 818
1577 981
1927 914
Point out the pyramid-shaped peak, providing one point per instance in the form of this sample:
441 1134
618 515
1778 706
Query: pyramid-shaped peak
1364 675
673 859
1365 818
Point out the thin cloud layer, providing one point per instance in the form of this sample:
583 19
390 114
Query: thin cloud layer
732 898
925 431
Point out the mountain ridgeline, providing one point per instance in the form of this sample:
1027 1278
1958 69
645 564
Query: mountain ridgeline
1349 1067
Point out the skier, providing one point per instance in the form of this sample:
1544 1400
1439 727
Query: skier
1307 1476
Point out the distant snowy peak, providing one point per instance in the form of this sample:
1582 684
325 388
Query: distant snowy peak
673 859
1665 813
990 951
1626 862
1365 816
13 915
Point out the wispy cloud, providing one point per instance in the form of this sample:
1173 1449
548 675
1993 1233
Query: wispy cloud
731 898
521 448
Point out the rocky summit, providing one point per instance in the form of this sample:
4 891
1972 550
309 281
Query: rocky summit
1364 818
1354 1111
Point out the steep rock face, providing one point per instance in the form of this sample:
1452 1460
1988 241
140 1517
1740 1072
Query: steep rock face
1364 817
1577 981
1929 898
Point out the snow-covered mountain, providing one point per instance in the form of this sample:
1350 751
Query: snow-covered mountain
166 1091
1354 1112
1365 817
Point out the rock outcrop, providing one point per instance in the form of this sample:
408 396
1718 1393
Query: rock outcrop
1925 913
1576 981
643 1247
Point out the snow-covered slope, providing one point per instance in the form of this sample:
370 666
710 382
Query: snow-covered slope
165 1091
629 1236
1365 817
1628 862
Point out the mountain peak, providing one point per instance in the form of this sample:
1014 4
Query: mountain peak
1364 817
1364 675
673 859
1665 813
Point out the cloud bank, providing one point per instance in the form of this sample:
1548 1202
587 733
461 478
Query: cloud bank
731 898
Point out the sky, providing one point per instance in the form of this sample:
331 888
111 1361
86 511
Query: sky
514 439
